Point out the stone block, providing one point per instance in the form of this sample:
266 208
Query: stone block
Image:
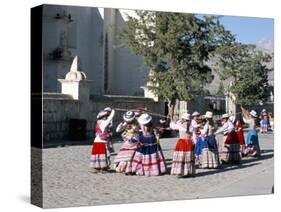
46 137
63 126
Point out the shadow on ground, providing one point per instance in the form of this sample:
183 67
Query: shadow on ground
245 163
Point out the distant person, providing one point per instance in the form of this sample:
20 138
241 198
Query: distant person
183 164
252 147
100 159
263 121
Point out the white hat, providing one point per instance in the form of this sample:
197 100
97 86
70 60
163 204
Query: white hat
108 109
253 113
129 116
144 118
101 114
208 115
263 110
232 119
195 113
185 116
225 116
162 121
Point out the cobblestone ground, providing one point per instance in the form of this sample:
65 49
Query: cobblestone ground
67 180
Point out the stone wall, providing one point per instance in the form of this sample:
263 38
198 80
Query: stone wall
200 104
58 109
122 102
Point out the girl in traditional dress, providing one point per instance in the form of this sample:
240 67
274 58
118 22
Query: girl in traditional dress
100 160
207 144
240 135
148 159
229 147
252 147
130 129
183 158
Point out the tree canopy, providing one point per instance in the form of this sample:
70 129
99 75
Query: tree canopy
176 47
248 70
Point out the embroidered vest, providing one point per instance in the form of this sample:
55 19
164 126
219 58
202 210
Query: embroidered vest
103 135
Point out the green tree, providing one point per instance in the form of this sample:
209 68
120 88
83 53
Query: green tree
248 70
175 46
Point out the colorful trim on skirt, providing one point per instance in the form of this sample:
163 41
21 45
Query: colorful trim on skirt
99 158
229 153
148 162
183 158
251 151
209 158
123 161
252 144
183 163
207 152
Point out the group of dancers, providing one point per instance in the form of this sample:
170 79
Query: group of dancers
140 153
197 146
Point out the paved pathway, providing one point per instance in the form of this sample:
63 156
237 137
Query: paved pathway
68 182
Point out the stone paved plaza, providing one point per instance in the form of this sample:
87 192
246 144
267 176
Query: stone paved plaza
67 180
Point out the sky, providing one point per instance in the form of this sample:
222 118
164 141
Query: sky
249 30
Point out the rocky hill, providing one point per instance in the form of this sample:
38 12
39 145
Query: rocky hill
265 45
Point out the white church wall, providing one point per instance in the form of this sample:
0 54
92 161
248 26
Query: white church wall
81 36
127 70
90 45
51 40
109 51
82 31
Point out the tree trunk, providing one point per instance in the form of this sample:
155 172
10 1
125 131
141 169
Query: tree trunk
171 108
